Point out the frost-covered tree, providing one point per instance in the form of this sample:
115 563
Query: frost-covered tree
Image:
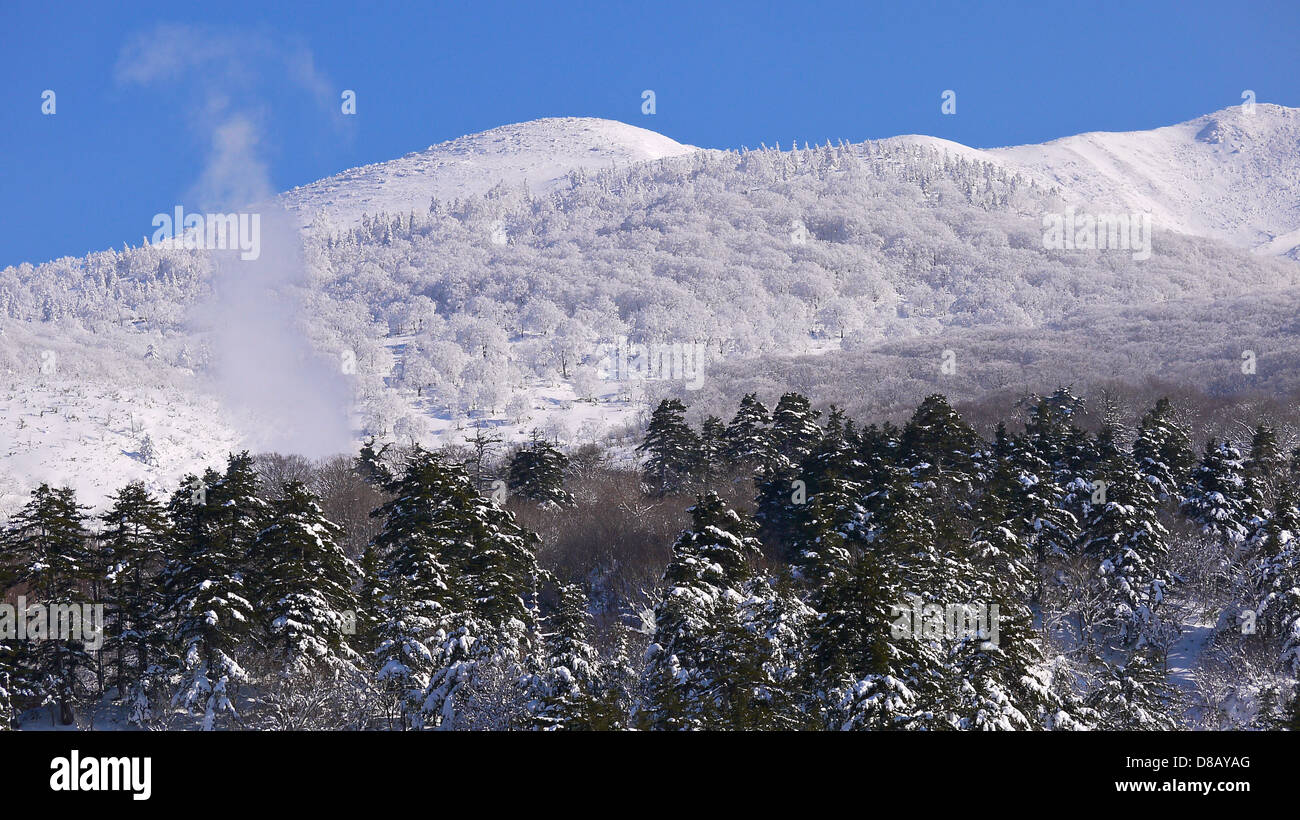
570 682
1123 533
794 430
6 699
1002 681
487 628
1261 471
1135 695
413 583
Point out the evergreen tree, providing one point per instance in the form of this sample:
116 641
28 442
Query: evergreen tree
47 543
748 440
1135 696
6 700
713 436
1123 532
863 675
619 683
1277 571
237 514
777 625
537 472
488 628
370 465
206 599
1055 438
306 597
1260 472
671 448
1216 499
1003 683
794 431
693 672
1163 451
571 679
135 532
413 584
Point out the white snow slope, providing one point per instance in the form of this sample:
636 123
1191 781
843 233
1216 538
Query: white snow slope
1233 175
539 154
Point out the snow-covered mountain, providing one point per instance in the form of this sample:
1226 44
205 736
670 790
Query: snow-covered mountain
904 242
539 154
1233 175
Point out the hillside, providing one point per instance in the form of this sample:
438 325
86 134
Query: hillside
495 308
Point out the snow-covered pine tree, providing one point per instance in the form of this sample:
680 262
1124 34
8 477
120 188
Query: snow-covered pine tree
1124 534
1136 695
671 448
206 600
778 621
940 449
570 681
794 430
863 676
1163 451
1277 579
1055 438
1216 498
537 472
238 512
619 684
413 583
482 650
748 440
6 700
692 675
134 534
305 598
1261 472
1004 685
47 543
1036 503
370 464
713 435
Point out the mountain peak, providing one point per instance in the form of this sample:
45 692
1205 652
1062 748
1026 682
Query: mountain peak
538 153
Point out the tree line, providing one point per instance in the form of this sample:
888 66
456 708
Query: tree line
829 577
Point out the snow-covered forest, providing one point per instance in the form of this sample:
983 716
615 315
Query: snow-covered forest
782 569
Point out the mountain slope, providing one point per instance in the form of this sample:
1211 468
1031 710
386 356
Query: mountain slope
1230 175
539 153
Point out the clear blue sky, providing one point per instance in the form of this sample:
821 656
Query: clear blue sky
725 74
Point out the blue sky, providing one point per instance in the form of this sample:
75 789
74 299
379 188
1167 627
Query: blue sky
116 152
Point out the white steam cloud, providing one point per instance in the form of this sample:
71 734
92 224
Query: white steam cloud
264 365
